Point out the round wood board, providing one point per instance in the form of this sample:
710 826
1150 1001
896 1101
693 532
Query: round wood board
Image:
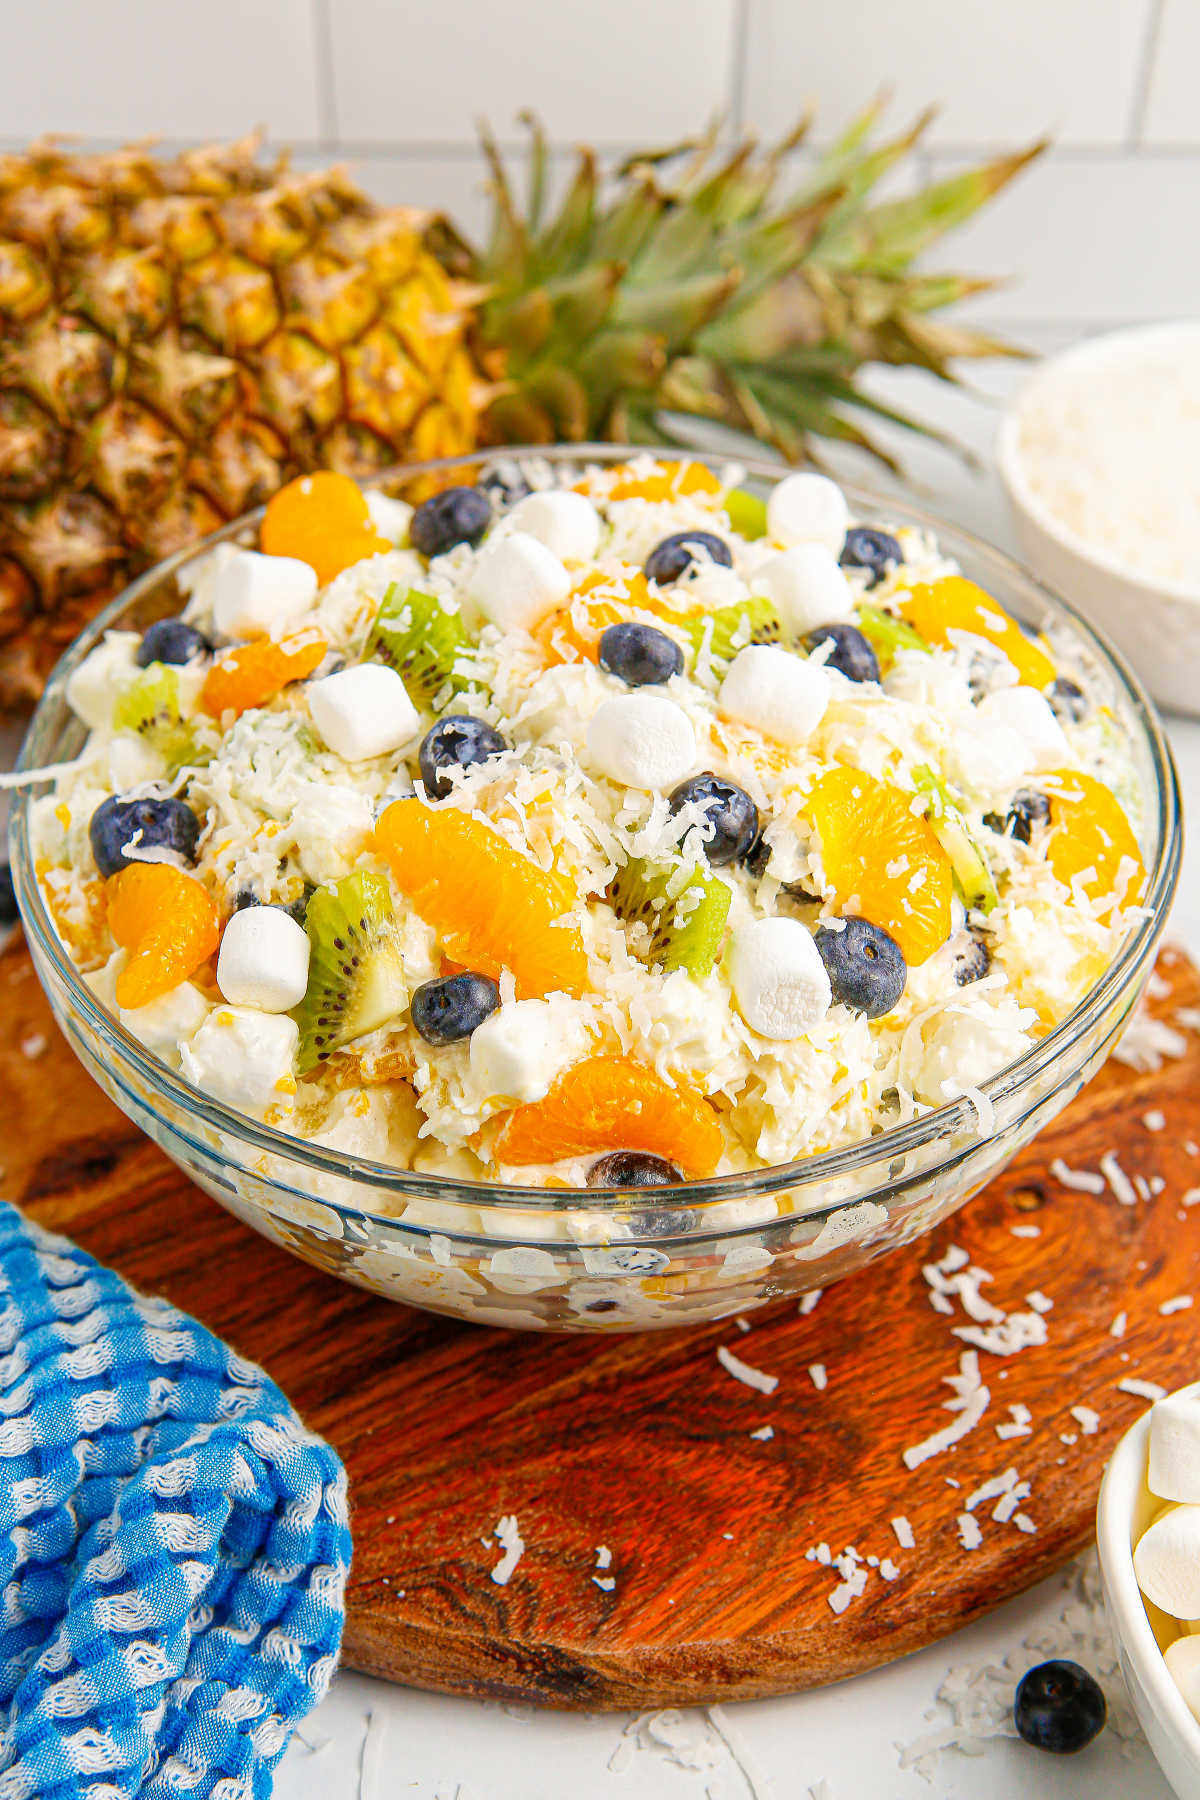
646 1444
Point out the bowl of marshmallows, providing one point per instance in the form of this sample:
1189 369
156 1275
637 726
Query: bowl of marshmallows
1148 1536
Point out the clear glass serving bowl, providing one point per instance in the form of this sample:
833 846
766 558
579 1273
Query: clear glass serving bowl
595 1260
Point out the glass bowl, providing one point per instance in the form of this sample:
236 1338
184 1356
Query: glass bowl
596 1260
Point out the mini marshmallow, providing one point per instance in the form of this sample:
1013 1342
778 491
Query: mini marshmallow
987 757
522 1047
263 960
258 596
1029 714
642 741
245 1058
1167 1562
1183 1666
516 581
778 978
93 687
567 524
1175 1446
363 712
390 518
164 1024
808 586
781 695
808 509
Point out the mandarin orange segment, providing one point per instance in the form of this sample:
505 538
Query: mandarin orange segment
492 908
938 608
670 481
322 520
572 634
1091 837
882 858
612 1103
168 923
249 676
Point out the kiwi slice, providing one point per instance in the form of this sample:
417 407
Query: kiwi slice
752 621
150 706
356 978
422 640
684 908
747 513
886 633
972 872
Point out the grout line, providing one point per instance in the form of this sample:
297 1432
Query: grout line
1144 72
742 27
322 27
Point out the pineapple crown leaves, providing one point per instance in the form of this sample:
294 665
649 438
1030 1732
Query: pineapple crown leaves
692 285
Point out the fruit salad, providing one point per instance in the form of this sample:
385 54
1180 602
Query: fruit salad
589 826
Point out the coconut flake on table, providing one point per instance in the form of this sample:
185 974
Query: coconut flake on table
971 1400
1142 1390
1080 1181
508 1536
741 1371
1122 1189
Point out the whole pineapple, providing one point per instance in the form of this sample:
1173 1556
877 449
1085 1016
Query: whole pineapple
178 337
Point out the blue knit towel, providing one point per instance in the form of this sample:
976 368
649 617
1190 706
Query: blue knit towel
173 1544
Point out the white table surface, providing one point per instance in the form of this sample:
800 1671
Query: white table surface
370 1741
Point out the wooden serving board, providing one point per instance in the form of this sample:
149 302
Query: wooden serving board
644 1444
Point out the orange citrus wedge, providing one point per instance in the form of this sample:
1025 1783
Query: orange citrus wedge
611 1103
322 520
492 908
1091 837
883 858
168 923
670 481
249 675
937 608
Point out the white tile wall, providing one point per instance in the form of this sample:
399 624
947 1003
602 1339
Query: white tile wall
1101 231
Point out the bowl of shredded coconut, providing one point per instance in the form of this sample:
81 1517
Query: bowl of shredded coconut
587 890
1100 458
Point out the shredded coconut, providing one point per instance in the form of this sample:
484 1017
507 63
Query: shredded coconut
754 1378
509 1538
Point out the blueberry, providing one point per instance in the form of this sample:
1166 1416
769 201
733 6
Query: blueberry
866 967
972 963
852 655
504 482
456 742
639 654
8 896
1068 701
1059 1707
866 548
245 897
171 641
675 555
729 810
163 824
445 1011
662 1222
633 1168
758 857
296 909
1026 809
457 515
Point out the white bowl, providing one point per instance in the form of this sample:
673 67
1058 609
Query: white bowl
1141 1631
1156 624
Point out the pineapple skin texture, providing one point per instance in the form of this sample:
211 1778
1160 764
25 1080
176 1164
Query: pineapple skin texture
177 339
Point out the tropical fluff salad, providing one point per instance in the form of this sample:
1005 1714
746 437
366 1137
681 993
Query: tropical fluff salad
599 826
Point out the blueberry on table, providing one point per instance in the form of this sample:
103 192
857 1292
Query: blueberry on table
729 810
1068 702
876 551
1026 809
633 1168
455 742
8 896
675 555
852 655
171 641
1059 1707
458 515
162 825
972 962
640 655
866 967
448 1010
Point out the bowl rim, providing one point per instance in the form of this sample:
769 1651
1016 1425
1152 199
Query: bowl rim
947 1121
1123 1477
1104 347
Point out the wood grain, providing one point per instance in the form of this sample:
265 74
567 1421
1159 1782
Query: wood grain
644 1444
